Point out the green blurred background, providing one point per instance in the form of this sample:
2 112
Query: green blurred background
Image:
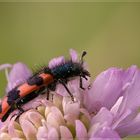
34 33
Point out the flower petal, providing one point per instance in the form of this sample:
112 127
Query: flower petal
57 113
129 74
130 128
14 129
65 133
116 106
53 134
56 61
71 110
105 90
18 74
132 95
70 107
81 132
74 55
1 123
54 118
5 66
74 87
42 133
105 133
29 129
5 136
17 139
34 117
103 116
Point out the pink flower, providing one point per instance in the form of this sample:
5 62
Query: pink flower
109 109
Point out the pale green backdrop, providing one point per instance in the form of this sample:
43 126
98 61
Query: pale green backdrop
34 33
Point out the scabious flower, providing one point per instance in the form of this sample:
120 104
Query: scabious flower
109 109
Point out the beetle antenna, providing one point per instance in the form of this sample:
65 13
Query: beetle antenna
82 56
